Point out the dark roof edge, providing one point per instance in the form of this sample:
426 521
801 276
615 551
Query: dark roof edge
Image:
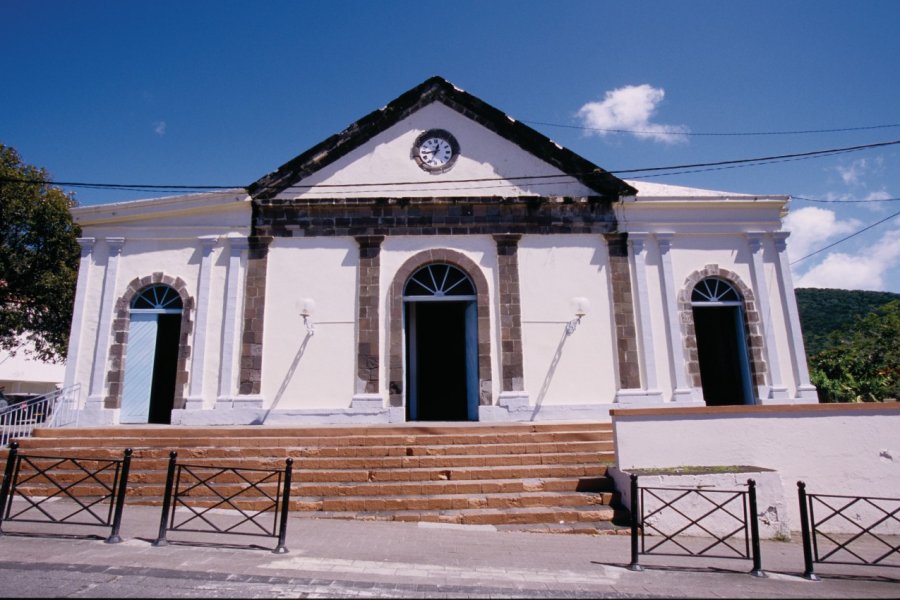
437 88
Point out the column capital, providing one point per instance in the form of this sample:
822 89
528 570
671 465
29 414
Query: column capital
755 239
369 241
664 240
780 238
638 242
238 243
115 245
86 243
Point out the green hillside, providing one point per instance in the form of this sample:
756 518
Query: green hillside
823 311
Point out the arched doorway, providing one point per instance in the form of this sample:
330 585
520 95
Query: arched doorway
718 312
441 345
148 391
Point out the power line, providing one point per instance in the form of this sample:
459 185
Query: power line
844 239
712 133
672 170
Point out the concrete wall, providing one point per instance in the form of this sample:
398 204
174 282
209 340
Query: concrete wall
851 450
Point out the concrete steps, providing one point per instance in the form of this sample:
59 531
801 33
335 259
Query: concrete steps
552 476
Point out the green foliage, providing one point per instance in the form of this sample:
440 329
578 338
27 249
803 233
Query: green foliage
38 259
825 311
862 363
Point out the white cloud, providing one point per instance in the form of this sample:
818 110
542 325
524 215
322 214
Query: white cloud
854 173
811 227
864 270
631 108
159 128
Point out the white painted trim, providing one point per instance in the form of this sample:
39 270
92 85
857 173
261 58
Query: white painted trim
638 251
683 391
194 399
107 306
776 390
231 322
78 312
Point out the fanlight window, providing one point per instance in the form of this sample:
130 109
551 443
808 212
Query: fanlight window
439 281
716 290
158 298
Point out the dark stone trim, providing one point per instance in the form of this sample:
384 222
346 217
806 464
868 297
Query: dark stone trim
117 353
752 331
368 343
623 311
250 381
432 90
511 363
433 216
396 375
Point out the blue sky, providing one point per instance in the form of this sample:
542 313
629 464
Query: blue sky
221 93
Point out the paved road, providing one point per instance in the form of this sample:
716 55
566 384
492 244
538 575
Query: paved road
340 559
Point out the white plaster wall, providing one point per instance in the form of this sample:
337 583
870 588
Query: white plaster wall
386 159
396 250
302 371
833 449
658 321
560 369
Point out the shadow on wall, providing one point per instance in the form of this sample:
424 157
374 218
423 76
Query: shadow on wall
551 371
287 379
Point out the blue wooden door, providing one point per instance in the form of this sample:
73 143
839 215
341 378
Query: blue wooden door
139 368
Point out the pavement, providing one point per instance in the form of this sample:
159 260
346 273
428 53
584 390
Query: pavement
331 558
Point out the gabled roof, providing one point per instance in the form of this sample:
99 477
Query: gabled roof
438 89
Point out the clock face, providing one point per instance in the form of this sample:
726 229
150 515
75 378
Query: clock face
435 150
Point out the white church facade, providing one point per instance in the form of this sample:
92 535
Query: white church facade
435 261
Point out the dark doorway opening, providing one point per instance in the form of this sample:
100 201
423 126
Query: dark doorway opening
165 366
436 361
722 350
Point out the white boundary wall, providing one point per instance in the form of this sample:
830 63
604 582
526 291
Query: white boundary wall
840 449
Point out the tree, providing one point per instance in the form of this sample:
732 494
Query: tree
863 364
38 259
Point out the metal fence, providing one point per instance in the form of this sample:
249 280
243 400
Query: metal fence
869 520
680 522
56 409
196 494
64 490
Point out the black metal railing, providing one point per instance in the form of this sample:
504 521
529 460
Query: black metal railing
868 519
694 533
93 490
195 495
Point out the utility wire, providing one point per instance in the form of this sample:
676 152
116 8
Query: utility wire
844 239
686 168
710 133
803 198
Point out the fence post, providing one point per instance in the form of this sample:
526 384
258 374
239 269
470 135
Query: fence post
806 533
7 479
120 498
635 523
754 530
167 495
285 506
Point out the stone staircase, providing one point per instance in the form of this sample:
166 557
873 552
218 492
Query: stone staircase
535 476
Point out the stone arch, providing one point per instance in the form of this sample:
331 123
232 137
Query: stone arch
115 376
396 376
751 324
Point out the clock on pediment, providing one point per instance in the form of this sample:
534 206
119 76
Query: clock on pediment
435 150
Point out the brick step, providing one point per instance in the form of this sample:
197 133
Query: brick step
170 443
337 431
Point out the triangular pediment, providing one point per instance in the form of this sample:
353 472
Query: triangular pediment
498 156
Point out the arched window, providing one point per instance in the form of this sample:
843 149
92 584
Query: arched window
439 281
714 290
158 298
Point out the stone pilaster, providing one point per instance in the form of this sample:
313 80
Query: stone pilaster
623 311
368 341
511 366
254 313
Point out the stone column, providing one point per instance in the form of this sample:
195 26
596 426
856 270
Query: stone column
776 391
250 383
806 392
623 311
194 398
683 391
104 324
73 358
231 325
368 347
512 394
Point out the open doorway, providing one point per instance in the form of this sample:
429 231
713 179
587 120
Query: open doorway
721 343
441 345
148 391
